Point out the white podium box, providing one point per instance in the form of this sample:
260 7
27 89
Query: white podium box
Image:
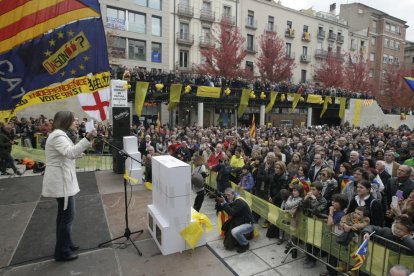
132 164
176 209
136 174
173 175
130 144
166 236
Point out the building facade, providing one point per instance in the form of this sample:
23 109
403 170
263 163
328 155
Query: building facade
137 33
386 40
409 54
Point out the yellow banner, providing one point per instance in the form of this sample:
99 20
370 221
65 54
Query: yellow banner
62 91
140 94
273 96
175 95
244 102
357 113
296 98
328 100
342 104
317 99
208 92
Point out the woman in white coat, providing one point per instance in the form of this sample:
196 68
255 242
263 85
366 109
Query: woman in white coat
60 180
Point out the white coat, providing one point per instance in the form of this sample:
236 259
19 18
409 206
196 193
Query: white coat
60 173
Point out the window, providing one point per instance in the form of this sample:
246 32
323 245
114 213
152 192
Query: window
303 76
184 30
387 27
115 19
392 42
184 58
206 7
338 50
397 60
372 56
250 18
385 58
141 2
373 41
156 26
206 33
136 22
271 24
250 66
156 52
319 45
393 28
397 45
250 41
353 44
371 73
154 4
305 28
386 42
304 51
288 49
374 25
117 47
136 49
390 59
398 29
226 10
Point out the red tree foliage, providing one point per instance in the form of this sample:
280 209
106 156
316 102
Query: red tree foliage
396 90
226 56
331 72
356 75
272 62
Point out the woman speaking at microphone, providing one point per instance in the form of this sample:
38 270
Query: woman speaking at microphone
60 180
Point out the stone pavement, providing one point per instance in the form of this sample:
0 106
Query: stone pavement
263 258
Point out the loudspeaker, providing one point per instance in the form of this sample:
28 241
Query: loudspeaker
121 124
118 161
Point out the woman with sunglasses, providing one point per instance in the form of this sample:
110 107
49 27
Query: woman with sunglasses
330 185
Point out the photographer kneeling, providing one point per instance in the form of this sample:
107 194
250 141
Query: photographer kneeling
240 223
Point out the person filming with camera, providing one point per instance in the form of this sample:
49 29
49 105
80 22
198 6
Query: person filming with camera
240 223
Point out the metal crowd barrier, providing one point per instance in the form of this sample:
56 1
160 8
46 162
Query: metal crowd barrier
316 236
88 162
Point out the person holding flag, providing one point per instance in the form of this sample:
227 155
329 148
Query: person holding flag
253 128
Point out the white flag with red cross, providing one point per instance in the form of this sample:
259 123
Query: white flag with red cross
96 104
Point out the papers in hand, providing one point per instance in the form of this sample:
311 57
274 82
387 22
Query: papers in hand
89 126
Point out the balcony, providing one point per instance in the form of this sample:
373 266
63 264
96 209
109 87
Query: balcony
306 37
321 34
353 47
290 55
251 49
271 29
322 54
340 39
207 15
228 18
290 33
332 37
182 67
185 39
185 10
305 58
206 42
251 23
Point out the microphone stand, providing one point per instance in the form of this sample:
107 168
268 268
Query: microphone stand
127 234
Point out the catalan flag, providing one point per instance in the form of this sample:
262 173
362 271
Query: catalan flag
360 255
50 50
253 128
158 123
410 82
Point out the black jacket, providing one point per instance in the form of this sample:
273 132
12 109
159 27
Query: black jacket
391 188
279 182
239 211
5 142
386 233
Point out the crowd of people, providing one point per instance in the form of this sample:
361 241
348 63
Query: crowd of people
359 179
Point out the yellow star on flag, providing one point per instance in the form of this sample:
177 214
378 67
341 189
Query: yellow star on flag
52 42
60 35
86 58
48 53
73 71
62 73
71 33
81 66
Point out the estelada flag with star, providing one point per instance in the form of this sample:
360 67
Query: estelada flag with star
360 255
50 50
410 82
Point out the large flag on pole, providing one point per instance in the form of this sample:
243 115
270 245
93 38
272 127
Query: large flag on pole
96 104
410 82
47 50
253 128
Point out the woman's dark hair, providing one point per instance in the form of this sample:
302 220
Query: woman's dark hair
63 120
371 163
366 184
305 169
299 188
347 167
341 199
364 173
